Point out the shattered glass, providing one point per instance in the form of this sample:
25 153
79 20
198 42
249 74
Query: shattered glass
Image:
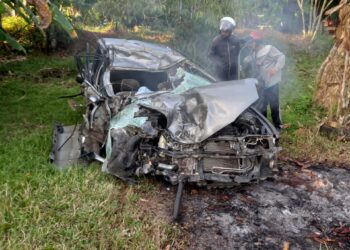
124 118
189 81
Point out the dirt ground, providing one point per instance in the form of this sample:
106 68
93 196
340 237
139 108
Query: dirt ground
300 208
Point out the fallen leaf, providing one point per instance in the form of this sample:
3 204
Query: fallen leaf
247 199
287 125
194 191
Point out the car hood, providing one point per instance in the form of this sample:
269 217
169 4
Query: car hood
198 113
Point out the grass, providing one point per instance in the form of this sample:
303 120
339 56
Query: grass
77 208
297 91
104 28
301 139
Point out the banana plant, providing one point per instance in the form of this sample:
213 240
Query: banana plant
47 11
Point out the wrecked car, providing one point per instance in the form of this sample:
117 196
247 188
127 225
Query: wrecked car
151 111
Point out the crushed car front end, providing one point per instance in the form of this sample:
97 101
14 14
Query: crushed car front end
150 111
201 135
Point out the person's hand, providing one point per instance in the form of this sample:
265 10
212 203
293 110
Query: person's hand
272 72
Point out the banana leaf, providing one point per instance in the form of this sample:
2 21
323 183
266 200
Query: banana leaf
11 41
62 20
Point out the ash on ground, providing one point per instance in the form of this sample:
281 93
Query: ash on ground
300 208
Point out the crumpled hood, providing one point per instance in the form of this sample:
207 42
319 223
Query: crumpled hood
198 113
139 55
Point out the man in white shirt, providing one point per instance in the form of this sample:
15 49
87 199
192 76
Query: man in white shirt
267 63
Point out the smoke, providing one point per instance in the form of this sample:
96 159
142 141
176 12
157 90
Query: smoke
194 33
194 24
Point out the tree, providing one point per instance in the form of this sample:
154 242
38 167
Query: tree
314 10
333 81
46 10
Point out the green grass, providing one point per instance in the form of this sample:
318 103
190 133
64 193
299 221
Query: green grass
77 208
301 139
297 90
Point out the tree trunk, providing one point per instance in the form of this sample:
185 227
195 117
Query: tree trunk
333 80
301 7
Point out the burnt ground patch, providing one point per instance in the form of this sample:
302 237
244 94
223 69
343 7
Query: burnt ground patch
300 208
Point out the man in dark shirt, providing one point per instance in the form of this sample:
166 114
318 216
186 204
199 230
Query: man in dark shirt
224 50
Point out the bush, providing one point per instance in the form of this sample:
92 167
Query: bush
192 39
57 38
322 44
26 34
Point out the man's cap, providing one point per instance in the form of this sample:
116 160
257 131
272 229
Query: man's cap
256 35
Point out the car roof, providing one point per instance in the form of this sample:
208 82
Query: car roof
139 55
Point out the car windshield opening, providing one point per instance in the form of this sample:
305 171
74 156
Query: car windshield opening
127 80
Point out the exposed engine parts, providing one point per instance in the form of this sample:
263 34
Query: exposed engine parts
150 111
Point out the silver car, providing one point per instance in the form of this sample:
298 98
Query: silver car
151 111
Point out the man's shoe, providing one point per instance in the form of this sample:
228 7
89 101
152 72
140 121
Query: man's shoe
278 128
